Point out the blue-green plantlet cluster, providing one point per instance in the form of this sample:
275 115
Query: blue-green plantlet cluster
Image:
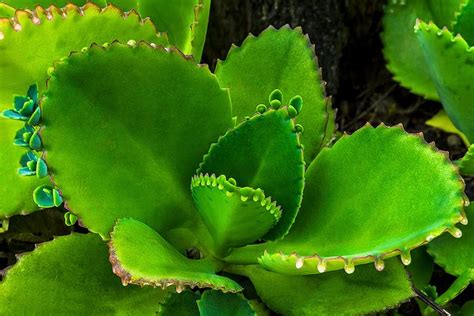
210 193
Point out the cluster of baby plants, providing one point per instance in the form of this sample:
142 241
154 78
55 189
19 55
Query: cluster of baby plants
427 45
222 193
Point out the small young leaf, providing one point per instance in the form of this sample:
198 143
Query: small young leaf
15 190
72 276
402 51
234 216
451 64
263 152
283 59
141 256
336 293
466 163
226 304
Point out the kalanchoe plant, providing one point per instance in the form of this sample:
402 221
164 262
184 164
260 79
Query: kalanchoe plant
434 59
212 185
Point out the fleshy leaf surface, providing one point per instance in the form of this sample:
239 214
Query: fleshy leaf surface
263 152
72 276
234 216
180 304
362 203
464 24
466 163
137 144
225 304
31 43
139 255
441 121
283 59
15 190
455 255
336 293
402 51
447 55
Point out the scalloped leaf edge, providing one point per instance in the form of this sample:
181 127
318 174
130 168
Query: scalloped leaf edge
348 263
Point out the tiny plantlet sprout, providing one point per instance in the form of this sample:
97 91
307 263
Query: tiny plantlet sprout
224 192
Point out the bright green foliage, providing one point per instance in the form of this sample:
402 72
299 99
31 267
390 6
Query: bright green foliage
372 171
134 160
15 190
458 286
466 163
31 4
234 216
226 304
448 55
465 22
66 30
455 255
6 10
442 122
141 256
267 154
71 276
335 293
283 59
403 53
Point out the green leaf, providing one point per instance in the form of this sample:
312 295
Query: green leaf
180 304
455 255
15 190
225 304
464 24
420 268
366 200
263 152
283 59
402 51
185 21
458 286
234 216
31 4
72 276
442 122
32 43
6 10
466 163
451 64
138 141
336 293
139 255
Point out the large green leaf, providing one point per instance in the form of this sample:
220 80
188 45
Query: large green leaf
367 199
15 190
31 4
264 152
234 216
72 276
139 255
401 49
134 140
451 64
283 59
335 293
31 43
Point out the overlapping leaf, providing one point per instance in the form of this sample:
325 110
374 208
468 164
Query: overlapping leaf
283 59
141 256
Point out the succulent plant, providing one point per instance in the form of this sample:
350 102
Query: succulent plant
214 192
